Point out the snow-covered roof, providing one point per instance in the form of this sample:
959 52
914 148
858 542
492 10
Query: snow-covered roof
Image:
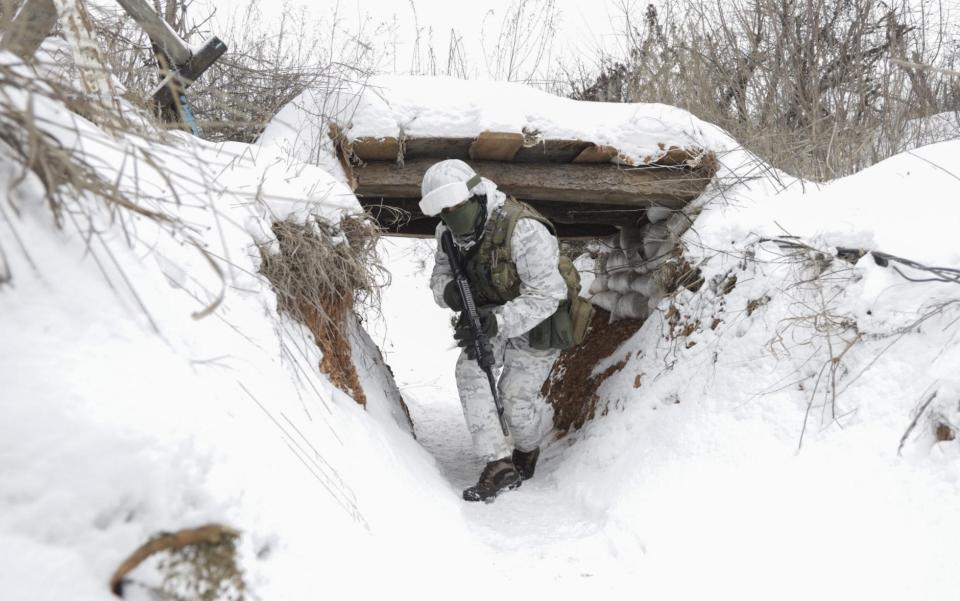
563 156
419 107
442 107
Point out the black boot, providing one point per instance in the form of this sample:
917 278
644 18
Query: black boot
526 462
497 476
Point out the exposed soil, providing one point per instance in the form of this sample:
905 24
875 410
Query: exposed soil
331 337
944 433
571 387
317 279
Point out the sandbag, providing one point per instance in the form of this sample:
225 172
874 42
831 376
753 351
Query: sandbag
620 281
651 266
616 260
631 306
643 284
599 283
678 224
658 214
631 238
653 240
606 300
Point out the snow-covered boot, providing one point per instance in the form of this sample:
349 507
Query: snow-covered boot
497 476
525 462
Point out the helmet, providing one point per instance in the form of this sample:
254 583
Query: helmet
446 184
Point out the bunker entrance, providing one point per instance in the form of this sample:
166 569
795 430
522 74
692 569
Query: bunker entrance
586 190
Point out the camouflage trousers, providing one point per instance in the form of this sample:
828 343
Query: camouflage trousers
522 373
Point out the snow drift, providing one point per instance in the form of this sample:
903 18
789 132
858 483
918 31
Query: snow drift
145 389
403 107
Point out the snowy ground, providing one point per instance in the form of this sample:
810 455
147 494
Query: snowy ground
124 411
694 484
696 488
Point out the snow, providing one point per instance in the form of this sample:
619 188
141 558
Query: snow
905 205
696 483
444 107
123 419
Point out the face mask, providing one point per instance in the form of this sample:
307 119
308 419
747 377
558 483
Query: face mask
462 219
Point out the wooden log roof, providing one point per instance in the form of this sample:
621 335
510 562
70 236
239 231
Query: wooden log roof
585 189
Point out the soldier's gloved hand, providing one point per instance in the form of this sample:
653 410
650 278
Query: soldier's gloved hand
464 334
451 296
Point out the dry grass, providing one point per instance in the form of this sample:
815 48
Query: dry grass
73 187
195 563
268 64
319 273
64 172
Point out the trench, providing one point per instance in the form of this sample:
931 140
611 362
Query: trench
542 514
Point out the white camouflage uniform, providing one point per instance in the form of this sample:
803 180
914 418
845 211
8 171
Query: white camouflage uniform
524 369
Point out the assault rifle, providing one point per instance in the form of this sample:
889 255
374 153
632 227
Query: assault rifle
480 342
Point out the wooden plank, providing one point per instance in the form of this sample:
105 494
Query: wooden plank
388 210
376 149
571 212
158 30
551 151
496 146
437 148
578 183
596 154
414 224
340 143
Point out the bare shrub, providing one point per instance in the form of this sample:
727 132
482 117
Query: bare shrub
195 563
66 173
817 87
517 43
320 264
523 40
319 273
267 64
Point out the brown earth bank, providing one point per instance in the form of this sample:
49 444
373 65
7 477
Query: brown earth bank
571 387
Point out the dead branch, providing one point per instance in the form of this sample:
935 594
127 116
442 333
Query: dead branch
209 534
916 418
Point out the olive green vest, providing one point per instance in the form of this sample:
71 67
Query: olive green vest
494 279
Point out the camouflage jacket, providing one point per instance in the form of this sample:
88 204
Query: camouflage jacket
535 253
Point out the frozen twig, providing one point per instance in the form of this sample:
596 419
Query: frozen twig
916 418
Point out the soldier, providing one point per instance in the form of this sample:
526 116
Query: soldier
512 260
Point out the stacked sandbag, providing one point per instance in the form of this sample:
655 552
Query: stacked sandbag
626 284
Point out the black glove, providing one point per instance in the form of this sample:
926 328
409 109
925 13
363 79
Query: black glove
464 335
451 296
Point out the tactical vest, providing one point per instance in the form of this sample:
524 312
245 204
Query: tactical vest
494 279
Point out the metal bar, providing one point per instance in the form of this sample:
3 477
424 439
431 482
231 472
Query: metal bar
184 74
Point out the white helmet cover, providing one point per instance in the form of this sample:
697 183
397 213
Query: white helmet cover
446 184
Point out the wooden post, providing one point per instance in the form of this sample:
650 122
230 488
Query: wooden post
29 27
160 33
584 183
